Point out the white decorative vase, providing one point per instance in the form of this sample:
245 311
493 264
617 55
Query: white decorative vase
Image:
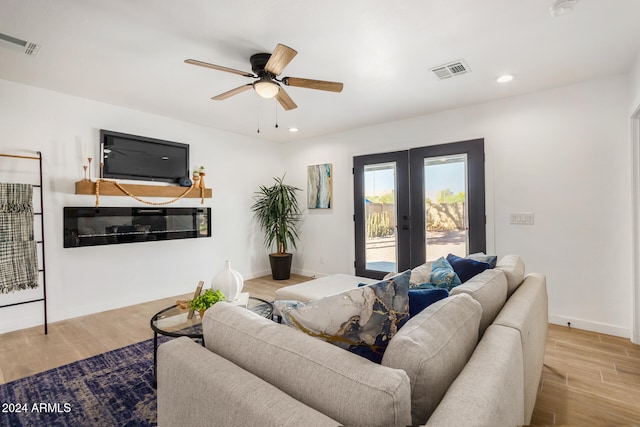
229 282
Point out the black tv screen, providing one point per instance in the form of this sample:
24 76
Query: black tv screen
146 159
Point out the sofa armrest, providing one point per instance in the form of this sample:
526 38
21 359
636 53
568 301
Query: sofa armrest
198 387
489 391
348 388
527 311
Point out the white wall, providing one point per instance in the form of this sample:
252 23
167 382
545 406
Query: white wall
561 154
92 279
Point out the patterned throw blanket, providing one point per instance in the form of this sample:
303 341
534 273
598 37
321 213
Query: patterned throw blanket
18 253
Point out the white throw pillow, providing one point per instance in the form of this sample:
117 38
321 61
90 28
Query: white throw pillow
421 274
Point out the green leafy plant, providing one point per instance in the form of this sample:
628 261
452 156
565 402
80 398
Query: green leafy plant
277 211
206 300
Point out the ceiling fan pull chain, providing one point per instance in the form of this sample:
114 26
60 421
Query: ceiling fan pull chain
276 105
258 109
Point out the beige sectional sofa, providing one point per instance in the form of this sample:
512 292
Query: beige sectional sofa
474 358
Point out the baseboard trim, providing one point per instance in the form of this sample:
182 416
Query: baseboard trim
256 274
601 328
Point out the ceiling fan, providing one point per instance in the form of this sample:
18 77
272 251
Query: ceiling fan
266 69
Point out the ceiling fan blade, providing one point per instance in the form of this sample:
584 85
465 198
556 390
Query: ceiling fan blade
313 84
232 92
279 59
218 67
285 100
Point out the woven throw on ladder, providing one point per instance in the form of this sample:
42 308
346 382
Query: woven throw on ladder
18 253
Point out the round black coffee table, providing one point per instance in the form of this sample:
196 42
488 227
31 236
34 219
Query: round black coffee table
175 322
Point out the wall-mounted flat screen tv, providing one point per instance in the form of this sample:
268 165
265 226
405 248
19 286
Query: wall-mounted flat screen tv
127 156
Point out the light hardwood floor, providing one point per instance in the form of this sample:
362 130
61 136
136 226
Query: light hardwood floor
29 351
587 379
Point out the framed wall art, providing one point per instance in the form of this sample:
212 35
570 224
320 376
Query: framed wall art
319 186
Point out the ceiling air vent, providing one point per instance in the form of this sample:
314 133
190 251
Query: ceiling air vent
450 70
23 46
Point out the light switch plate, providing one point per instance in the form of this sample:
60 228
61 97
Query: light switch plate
521 218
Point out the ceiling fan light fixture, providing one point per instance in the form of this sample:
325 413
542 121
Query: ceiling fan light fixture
266 88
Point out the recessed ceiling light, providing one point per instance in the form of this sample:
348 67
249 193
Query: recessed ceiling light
293 129
505 78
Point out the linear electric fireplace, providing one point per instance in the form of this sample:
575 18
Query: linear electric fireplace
85 226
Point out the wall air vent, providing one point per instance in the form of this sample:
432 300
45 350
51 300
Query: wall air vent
22 46
450 70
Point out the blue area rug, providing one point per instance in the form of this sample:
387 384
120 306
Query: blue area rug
110 389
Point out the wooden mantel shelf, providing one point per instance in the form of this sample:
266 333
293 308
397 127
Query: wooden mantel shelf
140 190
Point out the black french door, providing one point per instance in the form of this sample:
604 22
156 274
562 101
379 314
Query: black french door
417 205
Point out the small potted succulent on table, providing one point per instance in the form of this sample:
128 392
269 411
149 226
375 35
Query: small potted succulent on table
206 300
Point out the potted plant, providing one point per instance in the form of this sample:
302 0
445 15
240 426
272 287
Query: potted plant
205 300
277 211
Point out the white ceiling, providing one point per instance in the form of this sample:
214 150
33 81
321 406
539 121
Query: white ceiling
131 52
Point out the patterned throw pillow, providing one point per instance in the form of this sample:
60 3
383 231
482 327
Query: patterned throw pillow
361 320
443 276
466 268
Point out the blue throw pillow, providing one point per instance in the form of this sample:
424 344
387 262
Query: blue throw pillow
443 276
419 299
362 320
492 260
466 268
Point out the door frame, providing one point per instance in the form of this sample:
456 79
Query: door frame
411 238
402 210
474 149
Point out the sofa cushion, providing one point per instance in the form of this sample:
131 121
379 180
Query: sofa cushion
198 387
432 348
442 275
513 268
419 299
345 387
361 320
489 288
466 268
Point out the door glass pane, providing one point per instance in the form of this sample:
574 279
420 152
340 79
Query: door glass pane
445 191
380 216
